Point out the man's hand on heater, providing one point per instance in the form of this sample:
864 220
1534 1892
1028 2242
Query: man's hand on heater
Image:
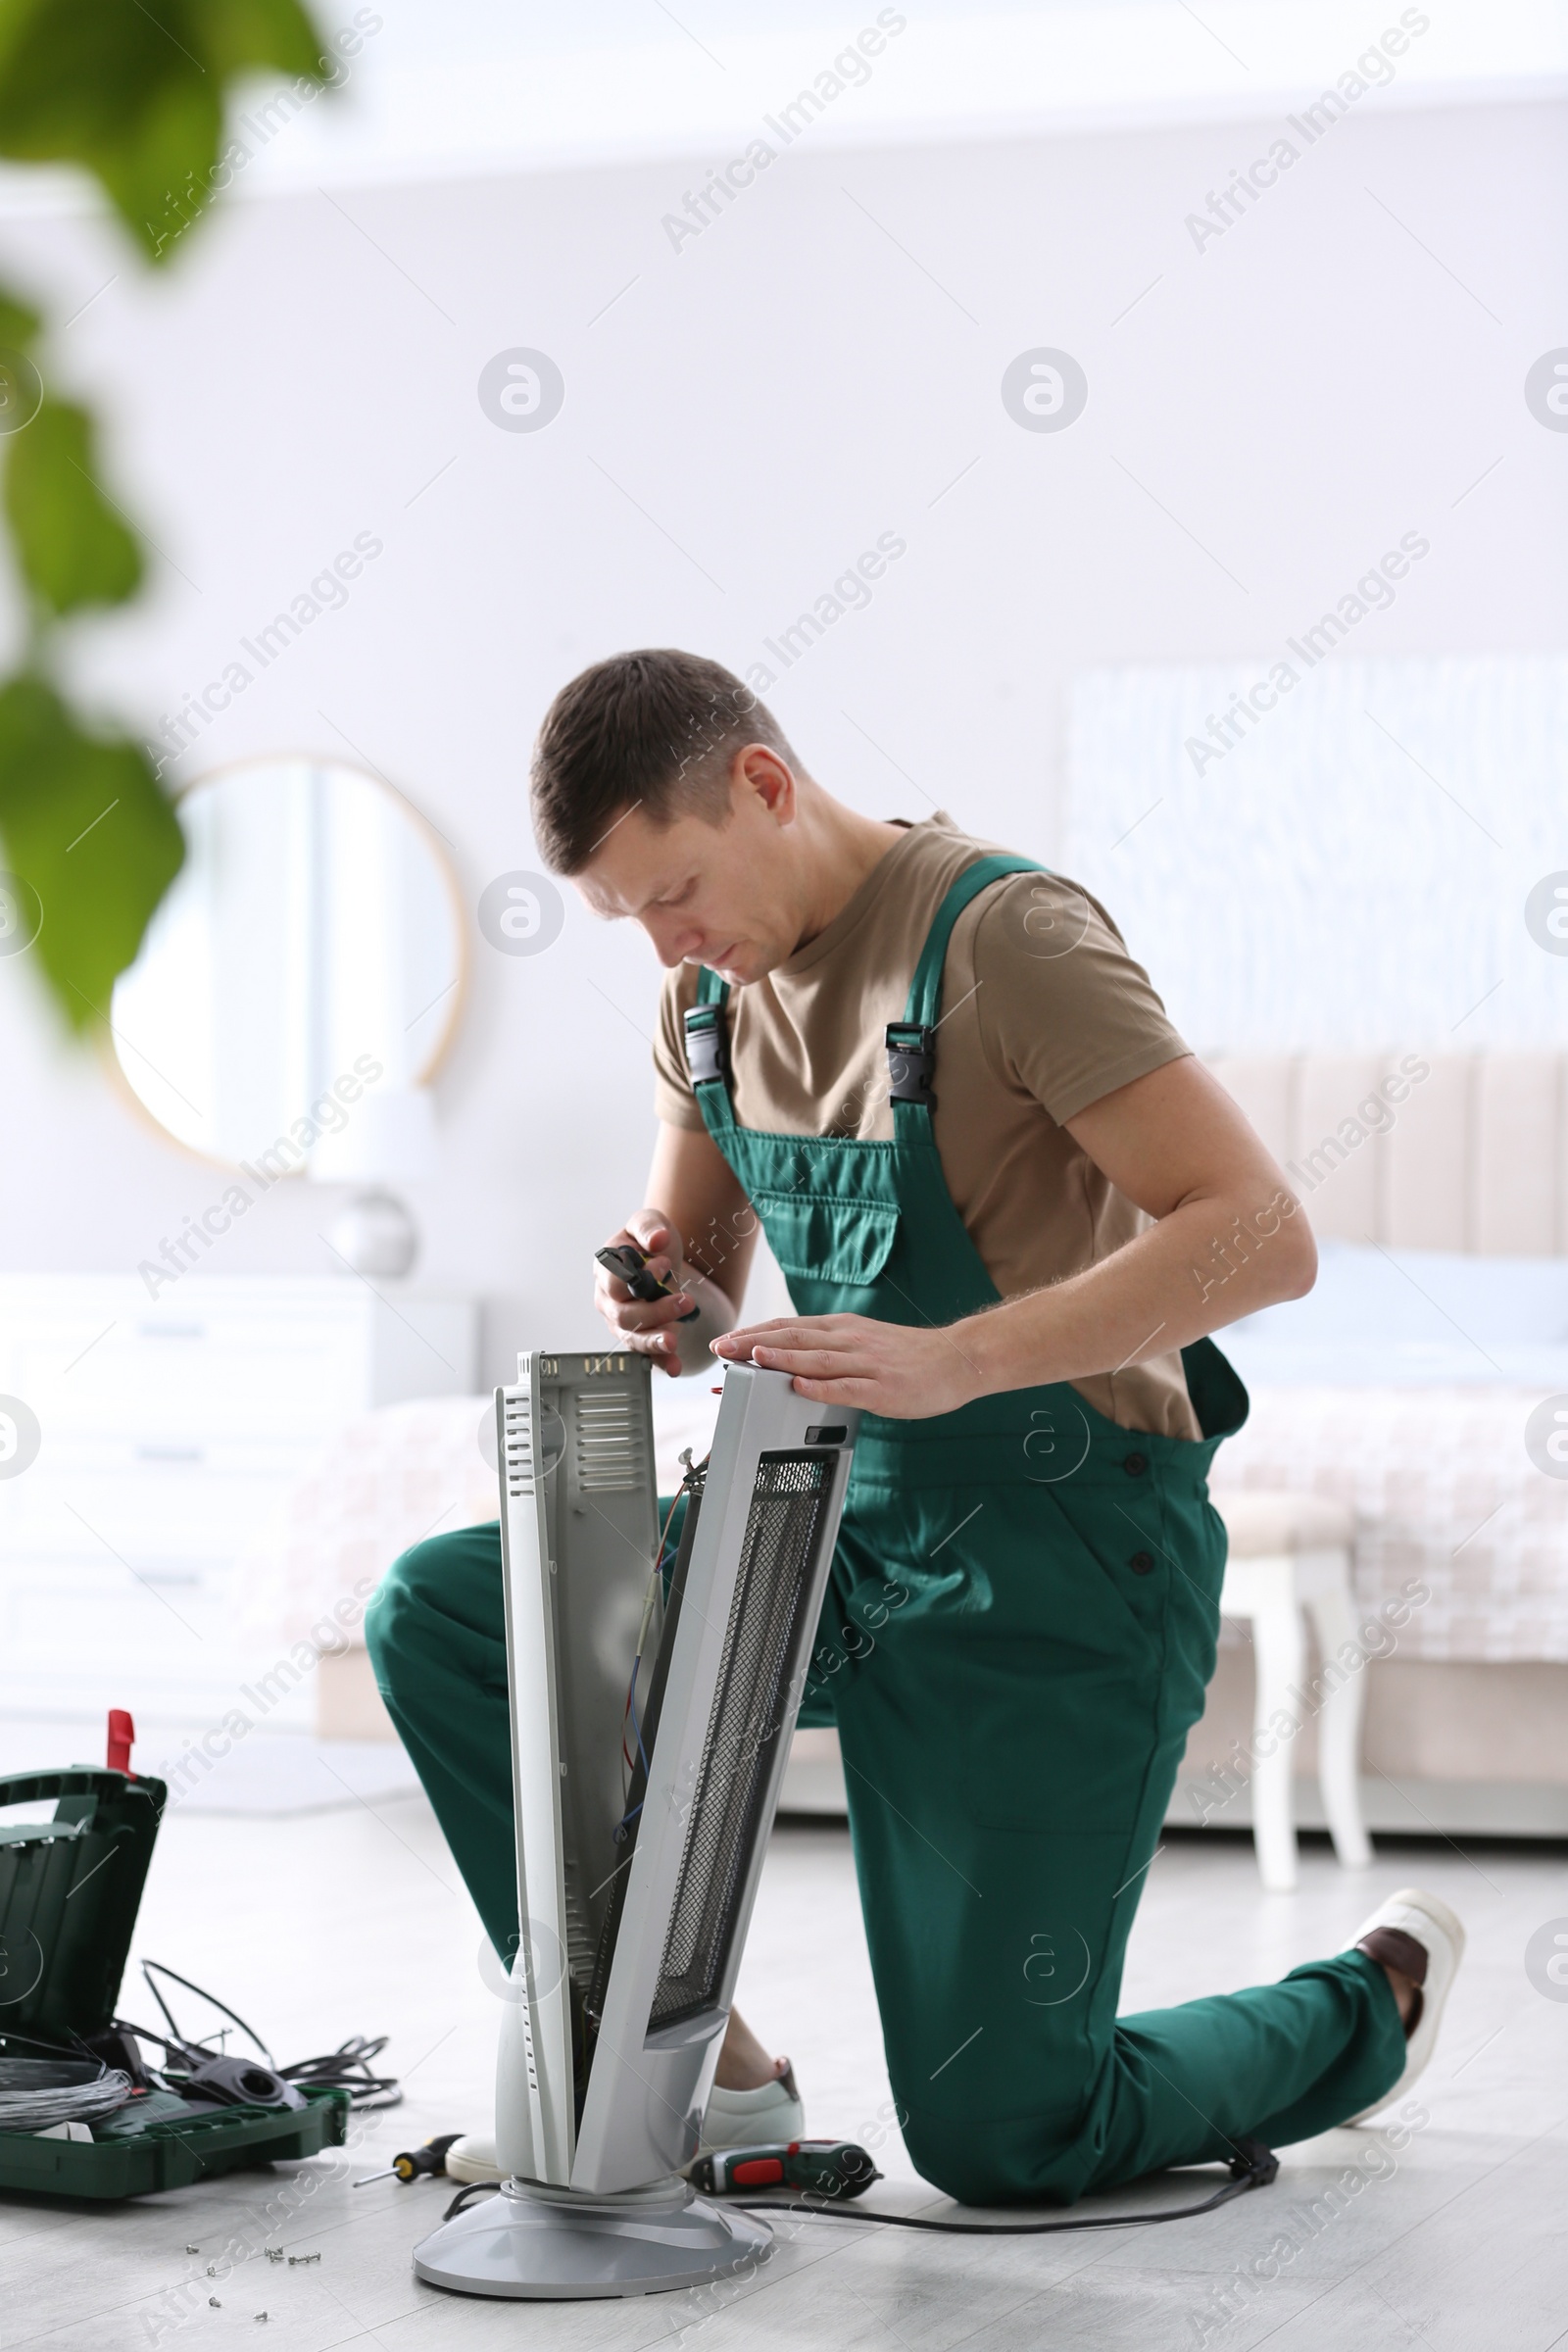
647 1326
888 1368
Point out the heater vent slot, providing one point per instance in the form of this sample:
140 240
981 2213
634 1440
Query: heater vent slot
518 1447
608 1456
765 1643
525 2009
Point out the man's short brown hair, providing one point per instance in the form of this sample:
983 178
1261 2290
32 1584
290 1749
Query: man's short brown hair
655 730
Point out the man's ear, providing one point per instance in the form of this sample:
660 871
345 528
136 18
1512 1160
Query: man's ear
758 770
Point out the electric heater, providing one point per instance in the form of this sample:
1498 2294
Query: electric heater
649 1735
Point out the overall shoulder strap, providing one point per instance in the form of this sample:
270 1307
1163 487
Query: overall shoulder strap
707 1041
912 1042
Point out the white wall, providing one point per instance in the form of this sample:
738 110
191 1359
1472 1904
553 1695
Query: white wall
819 367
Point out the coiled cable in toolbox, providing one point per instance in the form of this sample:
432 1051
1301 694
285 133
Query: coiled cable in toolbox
37 2094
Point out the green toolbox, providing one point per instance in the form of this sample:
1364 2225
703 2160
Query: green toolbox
70 1888
170 2148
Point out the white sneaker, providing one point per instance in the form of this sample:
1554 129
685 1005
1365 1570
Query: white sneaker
1429 1924
474 2158
749 2119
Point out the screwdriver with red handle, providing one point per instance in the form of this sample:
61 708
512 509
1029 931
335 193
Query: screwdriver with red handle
828 2168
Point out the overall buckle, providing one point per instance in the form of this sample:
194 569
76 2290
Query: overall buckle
707 1046
911 1060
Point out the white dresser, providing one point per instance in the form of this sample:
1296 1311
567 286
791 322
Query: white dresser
169 1431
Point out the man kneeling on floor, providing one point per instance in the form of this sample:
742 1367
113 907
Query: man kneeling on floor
1009 1205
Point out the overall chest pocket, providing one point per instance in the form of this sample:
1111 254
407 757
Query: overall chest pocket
816 1237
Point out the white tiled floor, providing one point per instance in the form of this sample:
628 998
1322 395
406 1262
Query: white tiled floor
356 1921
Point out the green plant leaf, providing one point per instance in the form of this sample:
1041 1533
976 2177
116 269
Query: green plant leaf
249 36
134 91
74 547
87 828
18 322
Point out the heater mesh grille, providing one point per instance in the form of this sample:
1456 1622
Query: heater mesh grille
763 1641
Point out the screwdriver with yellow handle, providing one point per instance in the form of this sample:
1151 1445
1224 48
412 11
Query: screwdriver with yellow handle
415 2163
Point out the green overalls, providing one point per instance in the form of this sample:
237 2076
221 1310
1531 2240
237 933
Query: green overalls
1018 1630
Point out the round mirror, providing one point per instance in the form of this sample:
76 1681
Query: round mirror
312 947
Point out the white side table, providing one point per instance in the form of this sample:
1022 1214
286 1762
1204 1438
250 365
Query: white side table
1290 1553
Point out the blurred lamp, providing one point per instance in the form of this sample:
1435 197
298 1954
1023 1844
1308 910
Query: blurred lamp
388 1139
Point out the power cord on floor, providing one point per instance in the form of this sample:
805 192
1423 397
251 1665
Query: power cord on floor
1251 2167
466 2196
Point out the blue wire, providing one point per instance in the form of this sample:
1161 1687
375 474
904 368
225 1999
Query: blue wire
631 1709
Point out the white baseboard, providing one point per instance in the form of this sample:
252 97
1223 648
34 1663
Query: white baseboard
1410 1808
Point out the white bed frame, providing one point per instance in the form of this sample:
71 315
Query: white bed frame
1474 1155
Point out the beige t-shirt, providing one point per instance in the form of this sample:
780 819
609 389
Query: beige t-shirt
1043 1012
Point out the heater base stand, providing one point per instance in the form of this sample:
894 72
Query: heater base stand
560 2246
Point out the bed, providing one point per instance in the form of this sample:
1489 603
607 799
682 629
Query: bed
1419 1384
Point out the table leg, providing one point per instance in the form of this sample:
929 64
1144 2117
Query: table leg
1327 1597
1278 1653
